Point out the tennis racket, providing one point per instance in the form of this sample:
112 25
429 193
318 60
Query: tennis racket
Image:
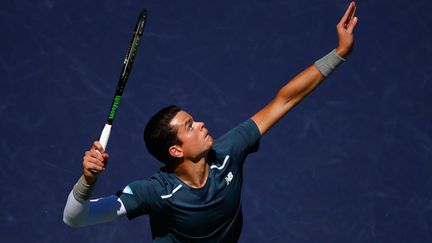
127 66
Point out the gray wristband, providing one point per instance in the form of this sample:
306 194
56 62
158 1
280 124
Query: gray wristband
328 63
82 191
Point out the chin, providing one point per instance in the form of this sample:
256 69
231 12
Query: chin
209 147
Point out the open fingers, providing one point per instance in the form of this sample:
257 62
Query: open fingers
352 24
349 14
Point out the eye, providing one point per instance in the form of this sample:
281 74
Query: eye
190 128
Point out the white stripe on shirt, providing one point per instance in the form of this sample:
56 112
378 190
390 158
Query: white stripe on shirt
172 193
222 166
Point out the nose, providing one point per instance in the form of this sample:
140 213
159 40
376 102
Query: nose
201 125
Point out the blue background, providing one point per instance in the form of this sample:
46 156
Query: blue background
351 163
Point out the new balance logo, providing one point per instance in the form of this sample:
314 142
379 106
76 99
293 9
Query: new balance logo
229 178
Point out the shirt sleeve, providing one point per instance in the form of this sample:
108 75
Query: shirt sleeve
141 197
241 140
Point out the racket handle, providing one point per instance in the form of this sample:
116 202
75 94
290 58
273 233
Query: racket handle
103 140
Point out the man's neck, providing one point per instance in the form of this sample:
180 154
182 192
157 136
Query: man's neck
194 174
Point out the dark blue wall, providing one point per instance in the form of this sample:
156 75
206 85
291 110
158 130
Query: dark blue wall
351 163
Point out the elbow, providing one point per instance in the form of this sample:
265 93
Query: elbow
74 213
69 221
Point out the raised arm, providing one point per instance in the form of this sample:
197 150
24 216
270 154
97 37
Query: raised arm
80 210
306 81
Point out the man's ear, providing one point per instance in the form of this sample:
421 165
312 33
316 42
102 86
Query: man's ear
175 151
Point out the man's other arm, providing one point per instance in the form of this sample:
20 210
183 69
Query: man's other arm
306 81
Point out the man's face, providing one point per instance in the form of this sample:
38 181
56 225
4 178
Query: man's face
196 141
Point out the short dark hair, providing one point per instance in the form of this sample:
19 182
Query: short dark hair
159 135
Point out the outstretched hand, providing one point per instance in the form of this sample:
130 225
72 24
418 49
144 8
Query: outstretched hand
345 29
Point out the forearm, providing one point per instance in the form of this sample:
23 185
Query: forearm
305 82
287 97
298 87
295 90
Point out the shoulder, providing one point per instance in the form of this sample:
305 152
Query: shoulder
246 135
247 128
158 184
144 196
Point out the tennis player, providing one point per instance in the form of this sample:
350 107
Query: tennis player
196 196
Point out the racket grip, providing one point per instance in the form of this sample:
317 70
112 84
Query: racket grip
103 140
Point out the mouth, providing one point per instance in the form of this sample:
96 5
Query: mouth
207 135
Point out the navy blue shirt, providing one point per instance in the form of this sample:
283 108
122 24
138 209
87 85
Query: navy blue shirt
179 213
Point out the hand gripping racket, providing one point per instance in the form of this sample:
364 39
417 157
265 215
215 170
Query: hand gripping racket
127 65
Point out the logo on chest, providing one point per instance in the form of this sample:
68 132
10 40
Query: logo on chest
229 178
